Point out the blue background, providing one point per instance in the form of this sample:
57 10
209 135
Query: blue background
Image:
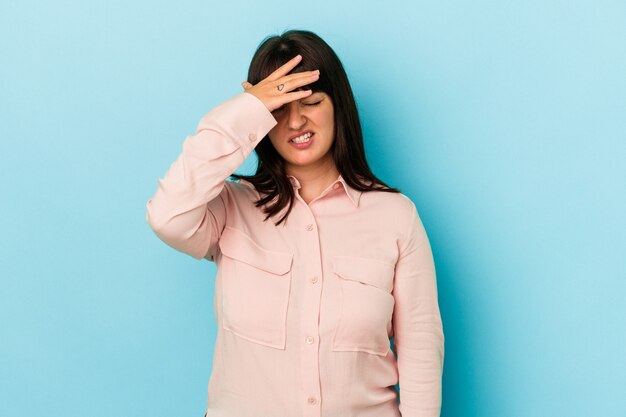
505 122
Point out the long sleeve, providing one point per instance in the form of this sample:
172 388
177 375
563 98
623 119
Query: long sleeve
418 330
188 210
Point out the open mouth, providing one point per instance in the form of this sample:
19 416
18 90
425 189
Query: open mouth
302 139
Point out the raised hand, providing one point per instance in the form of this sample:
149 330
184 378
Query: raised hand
267 90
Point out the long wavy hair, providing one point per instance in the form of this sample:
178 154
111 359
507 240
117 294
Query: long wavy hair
270 179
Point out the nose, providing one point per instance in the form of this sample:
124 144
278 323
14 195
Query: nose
295 118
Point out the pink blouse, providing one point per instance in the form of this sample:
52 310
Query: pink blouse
305 310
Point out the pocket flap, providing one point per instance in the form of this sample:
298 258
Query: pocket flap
238 245
369 271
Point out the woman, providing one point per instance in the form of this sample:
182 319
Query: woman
307 303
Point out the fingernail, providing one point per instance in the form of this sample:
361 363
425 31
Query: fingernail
298 56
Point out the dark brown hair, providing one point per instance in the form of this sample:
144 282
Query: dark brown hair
348 152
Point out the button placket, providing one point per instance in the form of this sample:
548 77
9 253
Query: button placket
311 306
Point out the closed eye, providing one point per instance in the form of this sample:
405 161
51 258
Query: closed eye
281 108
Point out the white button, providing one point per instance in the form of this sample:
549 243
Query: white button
336 186
252 137
314 280
310 339
309 227
312 400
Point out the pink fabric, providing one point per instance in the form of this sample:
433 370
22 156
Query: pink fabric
305 311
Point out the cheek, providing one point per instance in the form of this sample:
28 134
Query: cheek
329 118
329 123
272 137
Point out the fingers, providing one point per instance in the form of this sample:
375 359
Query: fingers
280 75
285 68
297 95
266 90
299 75
300 79
293 96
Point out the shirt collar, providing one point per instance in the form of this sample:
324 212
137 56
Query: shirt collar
340 182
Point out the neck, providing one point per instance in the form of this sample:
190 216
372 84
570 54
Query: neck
314 180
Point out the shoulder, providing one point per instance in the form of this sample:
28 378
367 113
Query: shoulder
396 206
241 193
240 187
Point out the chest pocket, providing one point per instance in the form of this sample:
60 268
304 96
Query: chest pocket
366 305
255 289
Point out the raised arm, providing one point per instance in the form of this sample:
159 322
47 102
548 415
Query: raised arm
187 211
418 330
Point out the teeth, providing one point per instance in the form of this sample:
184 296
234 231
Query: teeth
301 139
